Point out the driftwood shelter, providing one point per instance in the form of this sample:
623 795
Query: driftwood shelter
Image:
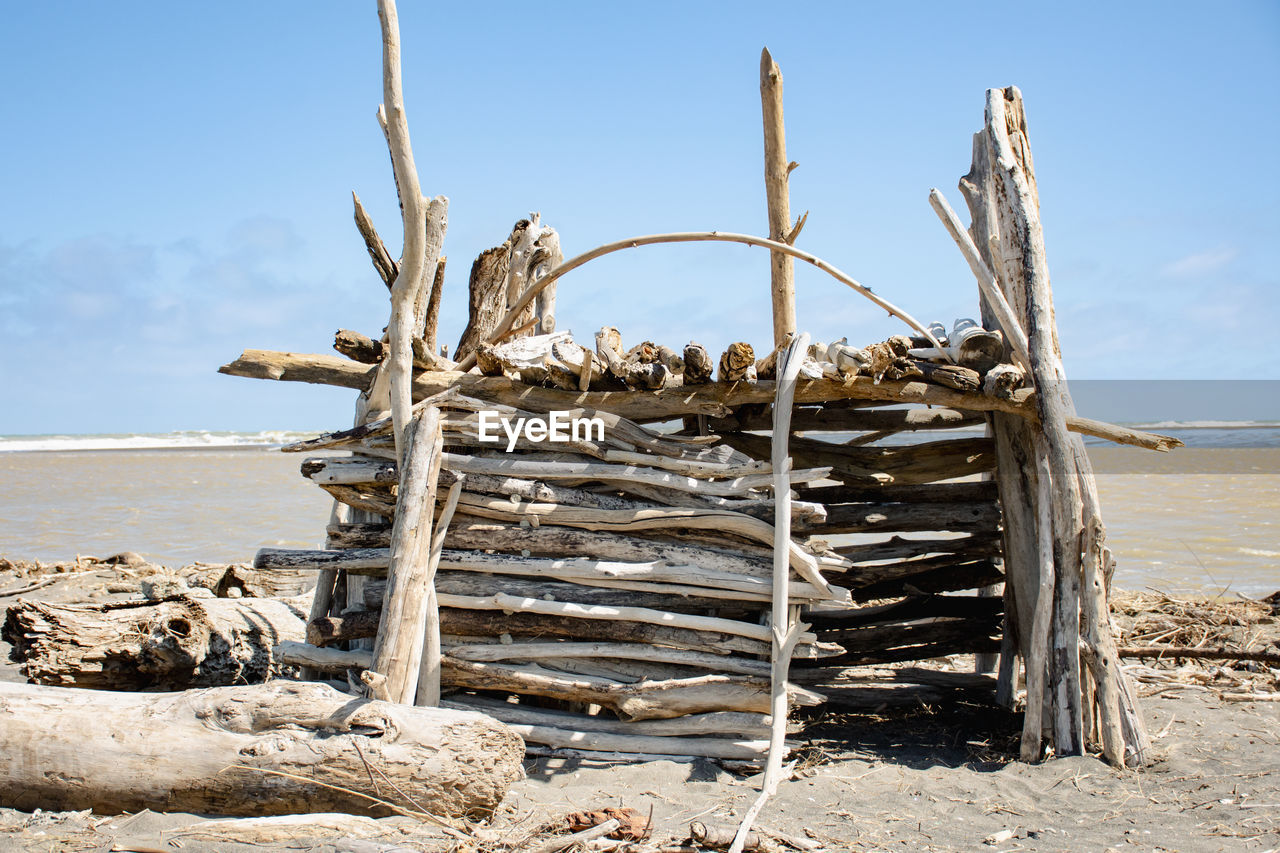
633 549
667 577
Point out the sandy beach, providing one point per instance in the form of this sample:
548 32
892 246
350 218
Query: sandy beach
929 777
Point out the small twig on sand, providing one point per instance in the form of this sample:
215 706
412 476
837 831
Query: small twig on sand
562 841
45 581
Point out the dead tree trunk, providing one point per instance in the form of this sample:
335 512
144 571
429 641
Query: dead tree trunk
167 645
279 748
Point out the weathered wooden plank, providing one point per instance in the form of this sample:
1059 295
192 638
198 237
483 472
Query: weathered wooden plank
869 518
871 466
494 623
716 398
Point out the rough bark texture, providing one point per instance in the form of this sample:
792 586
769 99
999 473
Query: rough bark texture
397 653
167 645
777 194
487 287
210 751
715 399
358 347
871 466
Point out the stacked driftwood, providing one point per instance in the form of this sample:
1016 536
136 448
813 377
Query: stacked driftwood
624 577
628 570
633 572
643 586
937 523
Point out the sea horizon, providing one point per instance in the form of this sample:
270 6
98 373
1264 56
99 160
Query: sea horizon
1203 519
1199 433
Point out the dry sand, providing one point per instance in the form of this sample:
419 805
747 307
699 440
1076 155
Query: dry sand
928 778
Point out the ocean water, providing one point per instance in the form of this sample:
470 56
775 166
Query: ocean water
175 499
1205 518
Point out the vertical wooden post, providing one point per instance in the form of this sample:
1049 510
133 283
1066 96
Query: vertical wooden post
1051 513
785 630
429 670
777 172
424 227
1038 656
1015 462
397 652
785 618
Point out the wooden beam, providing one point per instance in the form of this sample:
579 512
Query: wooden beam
397 654
714 398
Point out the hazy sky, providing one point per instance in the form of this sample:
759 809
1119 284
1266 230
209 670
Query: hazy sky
176 180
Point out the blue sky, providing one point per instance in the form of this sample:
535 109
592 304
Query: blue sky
177 180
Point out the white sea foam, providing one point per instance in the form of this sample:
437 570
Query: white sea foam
192 439
1209 425
1258 552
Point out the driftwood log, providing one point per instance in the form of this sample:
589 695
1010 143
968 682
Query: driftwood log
714 399
166 645
278 748
495 623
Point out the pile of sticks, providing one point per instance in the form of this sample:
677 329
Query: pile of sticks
630 571
1057 564
620 582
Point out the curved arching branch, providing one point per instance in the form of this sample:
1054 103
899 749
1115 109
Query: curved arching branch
534 289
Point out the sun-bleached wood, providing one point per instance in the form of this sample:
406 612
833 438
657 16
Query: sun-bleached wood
698 365
908 517
544 541
698 237
487 295
397 654
785 627
655 519
171 644
778 198
426 346
511 603
987 284
386 266
428 692
735 482
1014 437
977 544
645 700
358 347
660 596
493 623
247 750
1020 228
323 658
913 464
1037 658
712 399
834 419
739 723
424 227
626 651
703 747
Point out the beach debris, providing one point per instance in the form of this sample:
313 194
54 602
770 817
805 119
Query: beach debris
1000 837
632 824
283 747
174 643
721 836
562 842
